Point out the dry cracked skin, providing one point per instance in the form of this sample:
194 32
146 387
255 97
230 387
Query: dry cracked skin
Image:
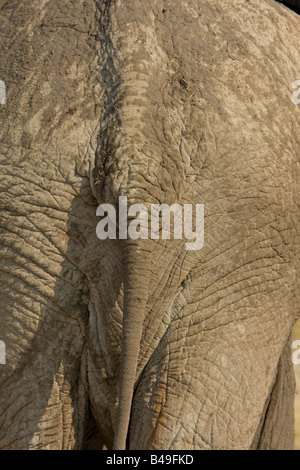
182 102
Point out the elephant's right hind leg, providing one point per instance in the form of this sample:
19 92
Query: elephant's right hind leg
276 430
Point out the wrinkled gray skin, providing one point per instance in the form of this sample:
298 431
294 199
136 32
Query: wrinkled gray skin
161 101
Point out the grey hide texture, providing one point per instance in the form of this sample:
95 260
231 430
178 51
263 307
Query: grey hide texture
142 343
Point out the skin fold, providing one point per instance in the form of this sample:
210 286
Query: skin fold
155 346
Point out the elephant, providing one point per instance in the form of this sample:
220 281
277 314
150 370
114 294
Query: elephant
141 343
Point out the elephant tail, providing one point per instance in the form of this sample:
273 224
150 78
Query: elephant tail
136 283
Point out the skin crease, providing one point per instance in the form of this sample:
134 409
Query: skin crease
155 346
